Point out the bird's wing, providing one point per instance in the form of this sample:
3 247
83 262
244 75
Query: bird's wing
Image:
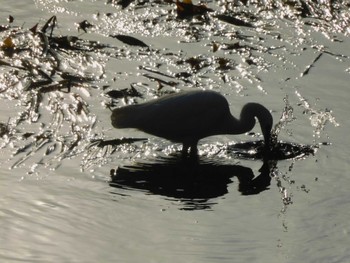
183 116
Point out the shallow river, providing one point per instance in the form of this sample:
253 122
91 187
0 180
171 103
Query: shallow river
58 202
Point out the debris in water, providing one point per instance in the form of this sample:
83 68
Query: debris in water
130 40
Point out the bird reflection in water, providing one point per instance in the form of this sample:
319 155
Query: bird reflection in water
196 181
193 182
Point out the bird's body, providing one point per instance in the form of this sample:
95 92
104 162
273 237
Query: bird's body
187 117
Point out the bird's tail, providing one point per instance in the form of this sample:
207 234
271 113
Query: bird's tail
124 117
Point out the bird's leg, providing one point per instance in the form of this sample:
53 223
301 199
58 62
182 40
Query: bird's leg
192 146
185 148
194 150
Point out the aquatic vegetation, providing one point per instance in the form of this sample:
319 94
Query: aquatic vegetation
54 79
48 78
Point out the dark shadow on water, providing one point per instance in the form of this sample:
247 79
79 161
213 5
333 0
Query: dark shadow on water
196 182
193 182
254 150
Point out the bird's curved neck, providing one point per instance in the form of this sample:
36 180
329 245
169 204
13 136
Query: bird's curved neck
242 125
247 120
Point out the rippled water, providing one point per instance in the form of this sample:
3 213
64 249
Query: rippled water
74 189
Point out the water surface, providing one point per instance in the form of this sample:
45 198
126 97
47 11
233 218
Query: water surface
59 202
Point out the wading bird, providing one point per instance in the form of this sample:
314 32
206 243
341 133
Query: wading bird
187 117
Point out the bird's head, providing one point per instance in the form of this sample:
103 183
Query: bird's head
266 130
266 127
266 122
253 110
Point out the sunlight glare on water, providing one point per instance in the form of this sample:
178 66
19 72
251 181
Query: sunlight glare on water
286 118
318 118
